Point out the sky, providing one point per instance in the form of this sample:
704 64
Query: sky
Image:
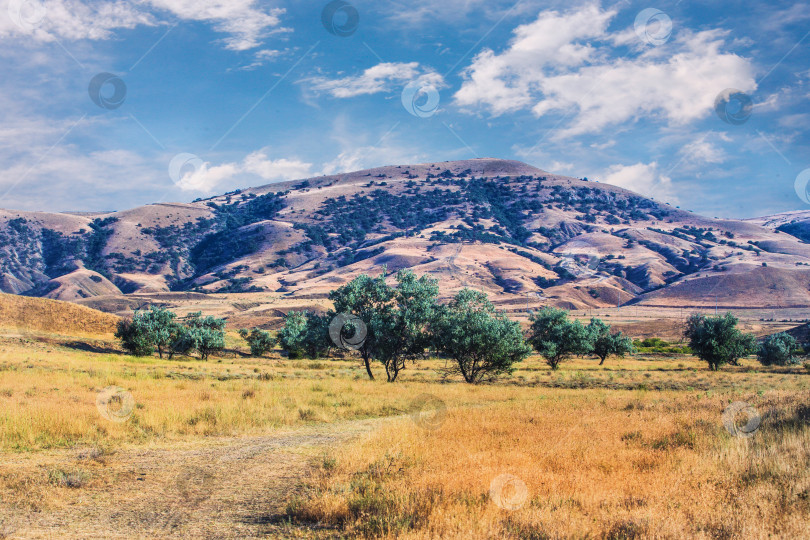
111 105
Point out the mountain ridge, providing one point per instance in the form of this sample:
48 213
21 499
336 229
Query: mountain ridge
503 226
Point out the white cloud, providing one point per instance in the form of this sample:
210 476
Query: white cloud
379 78
562 63
274 170
702 151
642 178
245 22
208 176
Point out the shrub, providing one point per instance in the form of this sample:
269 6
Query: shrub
778 350
259 341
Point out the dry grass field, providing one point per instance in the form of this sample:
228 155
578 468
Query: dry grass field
246 447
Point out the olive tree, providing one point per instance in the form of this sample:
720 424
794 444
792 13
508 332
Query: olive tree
605 343
557 338
778 350
369 299
482 342
260 341
717 340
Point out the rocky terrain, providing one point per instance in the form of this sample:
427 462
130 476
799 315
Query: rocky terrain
512 230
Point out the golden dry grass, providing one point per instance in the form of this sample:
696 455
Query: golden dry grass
41 314
634 448
595 464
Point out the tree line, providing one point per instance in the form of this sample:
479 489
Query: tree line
394 325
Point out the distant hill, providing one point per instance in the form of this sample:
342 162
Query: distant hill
40 314
505 227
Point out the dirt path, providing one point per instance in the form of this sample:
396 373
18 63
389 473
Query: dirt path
223 488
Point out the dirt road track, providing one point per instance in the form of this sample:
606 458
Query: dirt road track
222 488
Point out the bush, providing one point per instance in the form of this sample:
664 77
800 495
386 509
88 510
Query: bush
259 341
777 350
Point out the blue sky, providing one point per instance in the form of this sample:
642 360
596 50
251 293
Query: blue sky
250 92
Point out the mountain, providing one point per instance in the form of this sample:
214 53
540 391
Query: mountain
505 227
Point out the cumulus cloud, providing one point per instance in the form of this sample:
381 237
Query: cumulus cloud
376 79
245 22
642 178
207 177
564 62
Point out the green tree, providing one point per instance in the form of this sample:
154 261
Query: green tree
292 335
778 350
403 332
369 299
483 342
206 335
134 337
260 341
556 337
606 344
717 340
316 338
162 329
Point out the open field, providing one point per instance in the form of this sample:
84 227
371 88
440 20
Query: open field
245 447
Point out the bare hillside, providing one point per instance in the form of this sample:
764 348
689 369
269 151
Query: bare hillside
504 227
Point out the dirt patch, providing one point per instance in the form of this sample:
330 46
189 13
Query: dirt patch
226 488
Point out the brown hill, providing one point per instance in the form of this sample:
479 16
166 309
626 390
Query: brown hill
19 313
504 227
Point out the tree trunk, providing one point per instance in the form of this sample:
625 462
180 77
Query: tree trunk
603 360
367 362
